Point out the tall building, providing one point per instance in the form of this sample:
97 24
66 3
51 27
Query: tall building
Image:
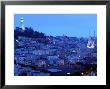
22 23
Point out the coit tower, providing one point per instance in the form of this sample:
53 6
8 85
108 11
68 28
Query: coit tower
22 21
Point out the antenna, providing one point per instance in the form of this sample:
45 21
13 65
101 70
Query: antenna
94 34
89 33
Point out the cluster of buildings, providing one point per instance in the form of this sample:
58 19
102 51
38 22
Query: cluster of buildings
58 52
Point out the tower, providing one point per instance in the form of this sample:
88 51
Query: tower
90 43
94 35
22 25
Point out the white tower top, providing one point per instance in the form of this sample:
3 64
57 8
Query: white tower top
21 21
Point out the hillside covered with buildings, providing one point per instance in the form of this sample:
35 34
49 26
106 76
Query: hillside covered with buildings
36 54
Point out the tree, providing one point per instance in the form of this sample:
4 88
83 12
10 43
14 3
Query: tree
28 32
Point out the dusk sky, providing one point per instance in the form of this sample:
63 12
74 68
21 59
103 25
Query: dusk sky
72 25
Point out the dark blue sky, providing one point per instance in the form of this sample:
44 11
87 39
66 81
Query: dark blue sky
60 24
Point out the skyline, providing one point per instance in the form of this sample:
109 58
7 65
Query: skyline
72 25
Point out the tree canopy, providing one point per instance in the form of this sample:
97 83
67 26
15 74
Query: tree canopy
28 32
